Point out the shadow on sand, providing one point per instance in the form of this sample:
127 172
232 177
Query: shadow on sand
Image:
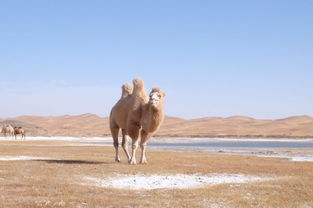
71 162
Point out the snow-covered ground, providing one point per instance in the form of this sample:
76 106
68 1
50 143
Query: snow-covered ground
59 138
180 181
293 158
12 158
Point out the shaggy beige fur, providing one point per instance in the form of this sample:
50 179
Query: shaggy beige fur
7 129
152 117
127 89
118 120
136 115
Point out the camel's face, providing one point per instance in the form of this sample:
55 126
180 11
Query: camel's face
156 98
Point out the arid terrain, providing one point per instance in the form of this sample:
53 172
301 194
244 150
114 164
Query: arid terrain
37 174
236 126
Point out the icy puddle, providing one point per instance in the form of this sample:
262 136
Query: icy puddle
151 182
12 158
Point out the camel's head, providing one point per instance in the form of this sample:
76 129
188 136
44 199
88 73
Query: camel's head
156 96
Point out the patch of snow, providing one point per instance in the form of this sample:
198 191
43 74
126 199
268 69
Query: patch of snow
60 138
181 181
290 157
13 158
76 141
301 159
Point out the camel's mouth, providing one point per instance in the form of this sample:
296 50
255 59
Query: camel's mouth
154 102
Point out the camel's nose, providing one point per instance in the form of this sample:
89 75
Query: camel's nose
154 97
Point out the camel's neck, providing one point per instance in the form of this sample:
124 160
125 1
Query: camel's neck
155 117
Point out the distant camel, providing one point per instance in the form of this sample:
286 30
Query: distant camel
7 129
136 114
19 130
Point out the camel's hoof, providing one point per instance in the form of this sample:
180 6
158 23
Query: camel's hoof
132 162
117 160
144 161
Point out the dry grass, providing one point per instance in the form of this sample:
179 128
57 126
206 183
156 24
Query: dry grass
58 183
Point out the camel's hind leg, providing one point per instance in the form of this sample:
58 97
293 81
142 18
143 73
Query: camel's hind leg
133 132
125 143
114 132
143 144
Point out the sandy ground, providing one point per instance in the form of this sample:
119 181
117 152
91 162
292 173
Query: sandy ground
63 173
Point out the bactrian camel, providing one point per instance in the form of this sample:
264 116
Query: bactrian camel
7 129
137 114
19 130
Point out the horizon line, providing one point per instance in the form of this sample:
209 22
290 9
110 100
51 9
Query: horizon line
223 117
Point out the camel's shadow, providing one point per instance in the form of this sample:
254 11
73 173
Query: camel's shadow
72 162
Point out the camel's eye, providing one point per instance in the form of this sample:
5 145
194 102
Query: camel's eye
159 95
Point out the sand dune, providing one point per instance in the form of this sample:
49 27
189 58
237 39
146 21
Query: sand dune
235 126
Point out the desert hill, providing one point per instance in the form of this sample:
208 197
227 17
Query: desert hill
235 126
240 126
80 125
30 128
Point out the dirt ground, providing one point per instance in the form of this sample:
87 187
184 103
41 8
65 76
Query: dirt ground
55 178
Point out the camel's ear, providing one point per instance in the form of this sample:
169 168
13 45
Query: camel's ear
164 94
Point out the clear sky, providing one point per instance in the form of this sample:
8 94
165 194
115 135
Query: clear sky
213 58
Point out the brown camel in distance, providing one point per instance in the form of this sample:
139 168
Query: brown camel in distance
136 115
19 130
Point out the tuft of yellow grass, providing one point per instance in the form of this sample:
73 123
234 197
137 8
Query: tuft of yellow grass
57 182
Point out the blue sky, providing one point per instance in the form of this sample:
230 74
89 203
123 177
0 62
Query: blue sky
213 58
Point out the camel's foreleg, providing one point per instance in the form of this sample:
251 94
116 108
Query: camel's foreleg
133 132
125 144
143 145
114 132
132 160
